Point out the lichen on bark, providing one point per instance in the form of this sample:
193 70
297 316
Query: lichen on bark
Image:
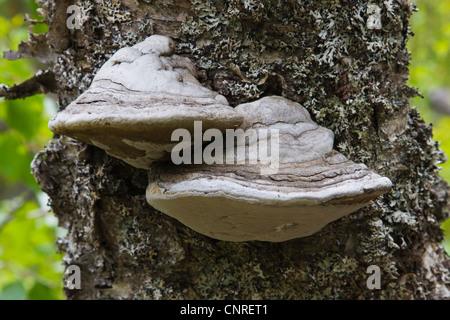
352 80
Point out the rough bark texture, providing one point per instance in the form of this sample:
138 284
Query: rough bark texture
352 80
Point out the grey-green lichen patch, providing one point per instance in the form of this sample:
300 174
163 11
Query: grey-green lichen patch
105 26
302 37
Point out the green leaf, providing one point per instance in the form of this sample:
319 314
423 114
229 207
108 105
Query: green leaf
13 291
15 159
41 291
26 116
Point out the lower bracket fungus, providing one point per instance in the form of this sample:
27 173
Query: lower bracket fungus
312 186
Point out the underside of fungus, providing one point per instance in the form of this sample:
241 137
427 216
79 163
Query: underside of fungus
144 93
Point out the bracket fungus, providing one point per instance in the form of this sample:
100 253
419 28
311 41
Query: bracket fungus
143 93
314 184
138 98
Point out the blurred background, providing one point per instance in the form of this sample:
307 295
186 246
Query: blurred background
30 266
430 73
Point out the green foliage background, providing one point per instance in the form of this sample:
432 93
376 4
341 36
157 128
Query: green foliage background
30 267
430 69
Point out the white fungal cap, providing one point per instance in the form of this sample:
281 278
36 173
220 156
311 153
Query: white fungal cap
314 184
138 98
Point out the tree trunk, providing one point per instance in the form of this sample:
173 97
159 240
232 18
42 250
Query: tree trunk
348 68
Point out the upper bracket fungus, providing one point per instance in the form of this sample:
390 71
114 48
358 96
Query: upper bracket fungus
138 98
